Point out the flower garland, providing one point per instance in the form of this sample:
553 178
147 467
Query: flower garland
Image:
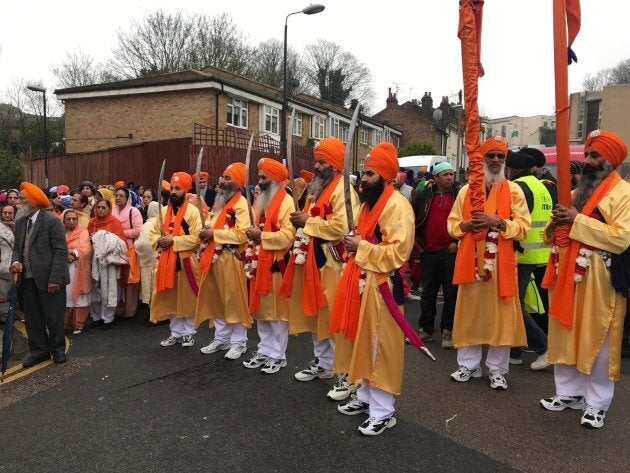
230 221
490 256
362 280
252 252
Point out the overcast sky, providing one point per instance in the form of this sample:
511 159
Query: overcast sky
409 45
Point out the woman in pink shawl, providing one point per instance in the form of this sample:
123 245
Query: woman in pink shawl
80 265
131 221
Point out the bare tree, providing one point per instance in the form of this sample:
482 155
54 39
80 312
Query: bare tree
219 43
158 43
329 68
79 69
268 66
620 74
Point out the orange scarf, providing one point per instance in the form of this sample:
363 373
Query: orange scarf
561 306
499 203
79 240
167 264
261 283
110 224
205 263
313 296
344 315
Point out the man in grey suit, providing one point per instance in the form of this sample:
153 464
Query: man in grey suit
40 254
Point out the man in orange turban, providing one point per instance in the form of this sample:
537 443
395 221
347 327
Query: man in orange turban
307 175
370 345
40 255
270 239
588 296
203 183
315 266
119 184
223 289
488 311
176 286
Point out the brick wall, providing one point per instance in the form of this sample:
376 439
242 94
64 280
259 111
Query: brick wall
414 127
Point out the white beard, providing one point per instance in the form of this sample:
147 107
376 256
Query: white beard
23 211
265 197
491 178
222 198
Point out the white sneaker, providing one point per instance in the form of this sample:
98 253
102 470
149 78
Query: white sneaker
540 363
497 380
342 389
312 372
170 341
235 352
374 426
256 361
593 418
353 407
560 403
215 346
273 366
463 374
516 361
188 341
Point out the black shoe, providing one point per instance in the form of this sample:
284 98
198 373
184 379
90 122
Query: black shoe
31 361
96 323
60 358
108 325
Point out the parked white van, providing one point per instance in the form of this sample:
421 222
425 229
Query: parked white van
420 163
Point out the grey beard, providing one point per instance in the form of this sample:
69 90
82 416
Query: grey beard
222 198
589 183
316 186
23 211
492 179
264 197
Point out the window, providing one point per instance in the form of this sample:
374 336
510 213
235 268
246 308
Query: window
363 136
318 127
237 112
377 137
334 127
271 119
297 124
503 129
344 133
388 136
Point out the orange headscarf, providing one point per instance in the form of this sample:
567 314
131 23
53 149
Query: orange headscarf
202 175
108 223
79 240
384 160
119 184
609 145
307 175
182 180
332 151
495 143
35 195
166 186
237 172
274 169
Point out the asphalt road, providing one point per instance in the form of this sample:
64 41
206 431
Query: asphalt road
123 403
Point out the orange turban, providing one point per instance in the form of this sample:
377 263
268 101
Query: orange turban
202 175
182 180
237 172
307 175
495 143
274 169
35 195
384 160
609 145
332 151
119 184
166 186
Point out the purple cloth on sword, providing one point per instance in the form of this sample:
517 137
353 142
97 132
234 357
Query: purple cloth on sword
191 277
400 319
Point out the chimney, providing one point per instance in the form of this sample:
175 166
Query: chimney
354 103
391 100
427 106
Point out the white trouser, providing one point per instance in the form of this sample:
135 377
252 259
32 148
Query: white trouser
324 351
498 358
236 334
274 337
182 326
99 310
596 388
381 402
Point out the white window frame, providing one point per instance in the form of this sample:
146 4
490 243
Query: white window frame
239 109
377 137
344 133
318 127
334 127
297 124
364 135
271 119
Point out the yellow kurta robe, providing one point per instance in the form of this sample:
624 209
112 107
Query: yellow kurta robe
181 300
481 316
332 229
223 291
597 309
272 306
378 351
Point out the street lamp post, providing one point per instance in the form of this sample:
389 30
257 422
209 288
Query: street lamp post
36 88
309 10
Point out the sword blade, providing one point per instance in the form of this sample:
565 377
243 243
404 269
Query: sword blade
197 180
347 164
248 158
289 157
159 216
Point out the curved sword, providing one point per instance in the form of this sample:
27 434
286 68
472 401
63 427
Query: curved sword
289 157
159 215
347 164
197 188
248 158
